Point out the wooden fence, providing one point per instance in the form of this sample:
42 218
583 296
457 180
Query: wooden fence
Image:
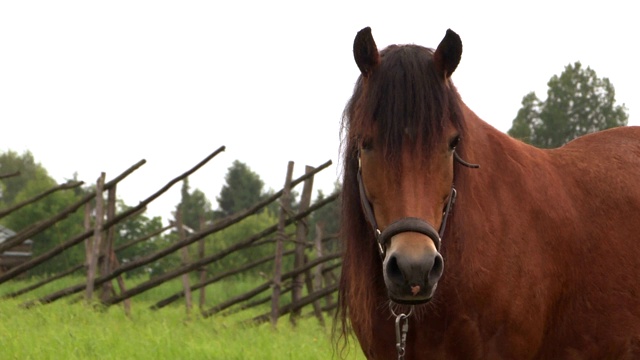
103 265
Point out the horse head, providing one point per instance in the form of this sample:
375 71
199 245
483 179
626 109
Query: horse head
404 125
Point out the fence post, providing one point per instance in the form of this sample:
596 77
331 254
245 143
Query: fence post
106 248
203 270
97 237
328 276
277 269
109 258
316 280
302 230
127 302
185 260
88 243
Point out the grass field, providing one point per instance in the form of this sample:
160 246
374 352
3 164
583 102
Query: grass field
74 330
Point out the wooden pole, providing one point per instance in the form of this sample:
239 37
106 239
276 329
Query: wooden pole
166 301
277 269
315 280
88 243
259 289
301 236
121 284
203 270
106 248
254 303
65 186
328 290
5 176
143 238
186 288
97 237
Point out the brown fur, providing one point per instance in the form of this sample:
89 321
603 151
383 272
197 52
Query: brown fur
542 250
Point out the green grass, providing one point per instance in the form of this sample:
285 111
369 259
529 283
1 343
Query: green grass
74 330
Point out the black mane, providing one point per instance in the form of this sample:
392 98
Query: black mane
403 95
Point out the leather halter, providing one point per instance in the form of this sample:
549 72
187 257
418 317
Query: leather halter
411 224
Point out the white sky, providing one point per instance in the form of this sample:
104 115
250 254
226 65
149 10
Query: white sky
92 86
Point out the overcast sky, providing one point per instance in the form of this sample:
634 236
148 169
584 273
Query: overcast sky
91 86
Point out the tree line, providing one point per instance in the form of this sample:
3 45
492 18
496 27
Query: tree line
242 189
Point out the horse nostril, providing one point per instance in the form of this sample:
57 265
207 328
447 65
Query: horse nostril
394 273
436 270
417 274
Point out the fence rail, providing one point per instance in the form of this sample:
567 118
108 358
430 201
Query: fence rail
312 267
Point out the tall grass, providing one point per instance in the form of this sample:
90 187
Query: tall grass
75 330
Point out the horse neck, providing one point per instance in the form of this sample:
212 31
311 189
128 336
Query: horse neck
482 142
498 154
483 203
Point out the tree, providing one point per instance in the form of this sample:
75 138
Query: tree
239 232
35 180
194 206
133 228
578 103
11 162
327 217
242 189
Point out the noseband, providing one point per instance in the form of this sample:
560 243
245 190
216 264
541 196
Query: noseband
411 224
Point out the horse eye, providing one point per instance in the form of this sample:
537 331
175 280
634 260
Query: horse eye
454 142
366 145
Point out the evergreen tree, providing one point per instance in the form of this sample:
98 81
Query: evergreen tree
328 217
242 189
133 228
194 206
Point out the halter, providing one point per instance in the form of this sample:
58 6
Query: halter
406 224
409 223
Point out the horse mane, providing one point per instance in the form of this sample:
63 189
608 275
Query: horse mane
404 99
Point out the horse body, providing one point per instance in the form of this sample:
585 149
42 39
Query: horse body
541 250
548 239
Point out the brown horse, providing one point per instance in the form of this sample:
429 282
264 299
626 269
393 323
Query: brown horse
540 256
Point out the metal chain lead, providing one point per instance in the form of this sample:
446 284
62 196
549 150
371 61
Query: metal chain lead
402 328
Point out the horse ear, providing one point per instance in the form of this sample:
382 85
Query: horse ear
448 54
365 52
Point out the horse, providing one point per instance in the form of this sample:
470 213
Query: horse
460 242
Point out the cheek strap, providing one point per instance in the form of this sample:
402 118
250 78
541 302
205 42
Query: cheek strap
405 224
411 223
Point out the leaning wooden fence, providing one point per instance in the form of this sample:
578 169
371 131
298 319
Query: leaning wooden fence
102 265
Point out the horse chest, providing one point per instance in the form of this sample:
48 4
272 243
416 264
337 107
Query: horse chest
464 339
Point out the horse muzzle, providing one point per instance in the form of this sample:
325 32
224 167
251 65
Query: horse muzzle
412 264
